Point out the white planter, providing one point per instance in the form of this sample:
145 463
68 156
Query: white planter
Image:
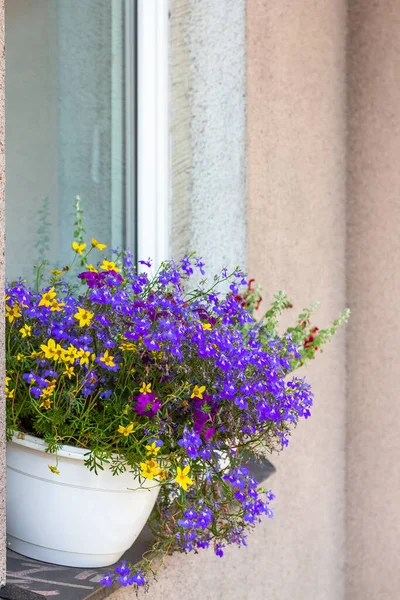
77 518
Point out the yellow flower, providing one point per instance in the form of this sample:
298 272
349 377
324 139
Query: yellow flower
9 393
70 354
79 248
107 359
146 388
125 430
20 356
54 470
56 272
26 330
152 449
182 477
91 268
162 474
84 356
46 404
46 392
206 326
47 298
52 350
49 389
107 265
56 306
128 346
69 371
198 392
150 469
13 312
83 316
97 245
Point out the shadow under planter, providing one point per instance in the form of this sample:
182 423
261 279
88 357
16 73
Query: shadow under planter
29 579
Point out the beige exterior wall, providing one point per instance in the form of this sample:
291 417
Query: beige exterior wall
373 441
336 531
296 229
296 110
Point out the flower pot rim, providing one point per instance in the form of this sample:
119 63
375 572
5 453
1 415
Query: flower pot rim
38 444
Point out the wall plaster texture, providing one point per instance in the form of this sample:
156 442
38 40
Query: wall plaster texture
373 441
208 137
295 240
296 136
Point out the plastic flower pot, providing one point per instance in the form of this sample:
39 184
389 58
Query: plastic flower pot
76 518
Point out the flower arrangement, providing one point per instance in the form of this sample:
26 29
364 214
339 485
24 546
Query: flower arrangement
178 384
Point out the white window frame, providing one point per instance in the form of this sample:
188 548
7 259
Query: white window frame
153 181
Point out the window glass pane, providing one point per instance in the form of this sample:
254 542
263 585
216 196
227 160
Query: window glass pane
67 107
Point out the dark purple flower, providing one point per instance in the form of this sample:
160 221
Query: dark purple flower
93 280
147 405
145 262
208 433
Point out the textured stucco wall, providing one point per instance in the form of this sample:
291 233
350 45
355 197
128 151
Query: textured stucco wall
180 123
2 270
208 138
373 441
296 121
296 240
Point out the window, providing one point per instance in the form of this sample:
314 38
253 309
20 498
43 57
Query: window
87 115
